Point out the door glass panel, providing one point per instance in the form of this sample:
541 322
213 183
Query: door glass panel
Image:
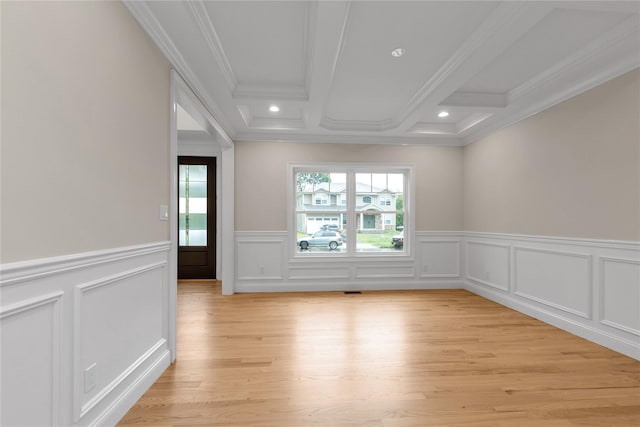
192 222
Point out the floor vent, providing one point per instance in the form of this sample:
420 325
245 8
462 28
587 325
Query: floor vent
352 292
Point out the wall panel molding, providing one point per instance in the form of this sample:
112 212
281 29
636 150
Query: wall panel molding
384 271
588 287
494 257
41 305
80 292
260 258
555 274
16 311
323 272
439 251
440 258
570 241
619 305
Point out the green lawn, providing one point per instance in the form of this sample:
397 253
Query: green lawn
378 240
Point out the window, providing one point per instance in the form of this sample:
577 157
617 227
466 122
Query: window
321 199
368 207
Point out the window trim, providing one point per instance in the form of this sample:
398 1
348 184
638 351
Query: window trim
351 169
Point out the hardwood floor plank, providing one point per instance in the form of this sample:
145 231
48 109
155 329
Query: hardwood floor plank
380 359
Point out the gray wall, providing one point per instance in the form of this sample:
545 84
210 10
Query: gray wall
572 170
261 176
85 130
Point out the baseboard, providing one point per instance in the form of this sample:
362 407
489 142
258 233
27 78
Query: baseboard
347 286
576 327
121 405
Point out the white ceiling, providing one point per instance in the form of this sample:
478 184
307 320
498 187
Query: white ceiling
328 64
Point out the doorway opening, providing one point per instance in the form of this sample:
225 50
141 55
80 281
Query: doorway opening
196 217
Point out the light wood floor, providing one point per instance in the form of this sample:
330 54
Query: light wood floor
381 359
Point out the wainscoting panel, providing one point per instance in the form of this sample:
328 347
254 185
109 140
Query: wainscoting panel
560 280
265 262
620 294
488 263
590 288
30 334
83 336
260 257
384 271
130 334
587 287
439 258
319 273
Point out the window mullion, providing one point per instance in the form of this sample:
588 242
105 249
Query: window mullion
351 213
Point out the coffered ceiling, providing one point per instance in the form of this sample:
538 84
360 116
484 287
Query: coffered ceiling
328 65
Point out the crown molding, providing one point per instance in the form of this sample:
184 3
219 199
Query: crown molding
623 31
424 128
471 121
563 75
150 24
265 136
326 30
199 13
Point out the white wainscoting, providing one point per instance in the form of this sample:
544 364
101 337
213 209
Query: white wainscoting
61 316
588 287
557 279
29 379
619 291
265 263
488 263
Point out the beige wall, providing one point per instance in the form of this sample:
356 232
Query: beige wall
572 170
261 176
85 130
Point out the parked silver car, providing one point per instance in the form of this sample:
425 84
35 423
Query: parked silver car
332 239
398 240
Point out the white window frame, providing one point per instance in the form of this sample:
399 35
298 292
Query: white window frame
351 169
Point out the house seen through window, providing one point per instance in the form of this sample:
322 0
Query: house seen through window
347 211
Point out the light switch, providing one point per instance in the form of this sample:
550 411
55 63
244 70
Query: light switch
164 213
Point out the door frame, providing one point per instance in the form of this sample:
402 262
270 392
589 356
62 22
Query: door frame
182 94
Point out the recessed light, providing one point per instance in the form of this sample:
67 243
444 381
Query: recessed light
397 52
443 114
274 108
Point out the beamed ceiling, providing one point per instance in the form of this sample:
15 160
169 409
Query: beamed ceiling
328 65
